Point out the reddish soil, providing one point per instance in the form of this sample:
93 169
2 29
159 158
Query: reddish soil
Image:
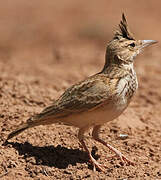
45 47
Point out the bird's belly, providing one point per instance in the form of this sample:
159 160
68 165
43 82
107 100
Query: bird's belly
94 117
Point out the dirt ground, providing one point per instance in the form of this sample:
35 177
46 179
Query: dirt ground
45 47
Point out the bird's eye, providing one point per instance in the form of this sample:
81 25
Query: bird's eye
132 44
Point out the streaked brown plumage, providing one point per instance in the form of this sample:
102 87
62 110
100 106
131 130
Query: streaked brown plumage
101 97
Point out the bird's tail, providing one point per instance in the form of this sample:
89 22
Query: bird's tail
31 122
36 120
18 130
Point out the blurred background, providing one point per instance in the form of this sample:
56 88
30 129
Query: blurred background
25 23
62 32
52 24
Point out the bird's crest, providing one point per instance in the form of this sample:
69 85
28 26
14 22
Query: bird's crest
124 31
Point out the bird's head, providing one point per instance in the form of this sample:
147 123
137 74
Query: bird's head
124 47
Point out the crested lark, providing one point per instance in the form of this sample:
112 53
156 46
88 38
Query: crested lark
99 98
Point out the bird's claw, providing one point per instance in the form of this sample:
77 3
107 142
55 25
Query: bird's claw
97 165
123 159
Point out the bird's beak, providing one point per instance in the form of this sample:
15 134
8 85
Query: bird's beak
146 43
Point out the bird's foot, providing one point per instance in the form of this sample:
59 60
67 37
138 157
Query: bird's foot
101 167
123 158
96 164
118 154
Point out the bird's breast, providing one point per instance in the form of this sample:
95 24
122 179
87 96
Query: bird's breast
125 89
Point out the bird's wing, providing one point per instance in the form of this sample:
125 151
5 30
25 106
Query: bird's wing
86 95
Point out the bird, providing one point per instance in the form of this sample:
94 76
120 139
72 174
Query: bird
99 98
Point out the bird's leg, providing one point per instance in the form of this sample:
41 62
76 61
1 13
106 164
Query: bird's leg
93 161
95 135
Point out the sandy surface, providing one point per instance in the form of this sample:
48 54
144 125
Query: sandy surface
46 46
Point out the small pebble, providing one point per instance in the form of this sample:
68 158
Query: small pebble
123 136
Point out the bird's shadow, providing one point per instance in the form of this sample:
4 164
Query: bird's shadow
59 156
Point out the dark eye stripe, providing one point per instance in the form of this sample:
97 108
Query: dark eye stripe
132 44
